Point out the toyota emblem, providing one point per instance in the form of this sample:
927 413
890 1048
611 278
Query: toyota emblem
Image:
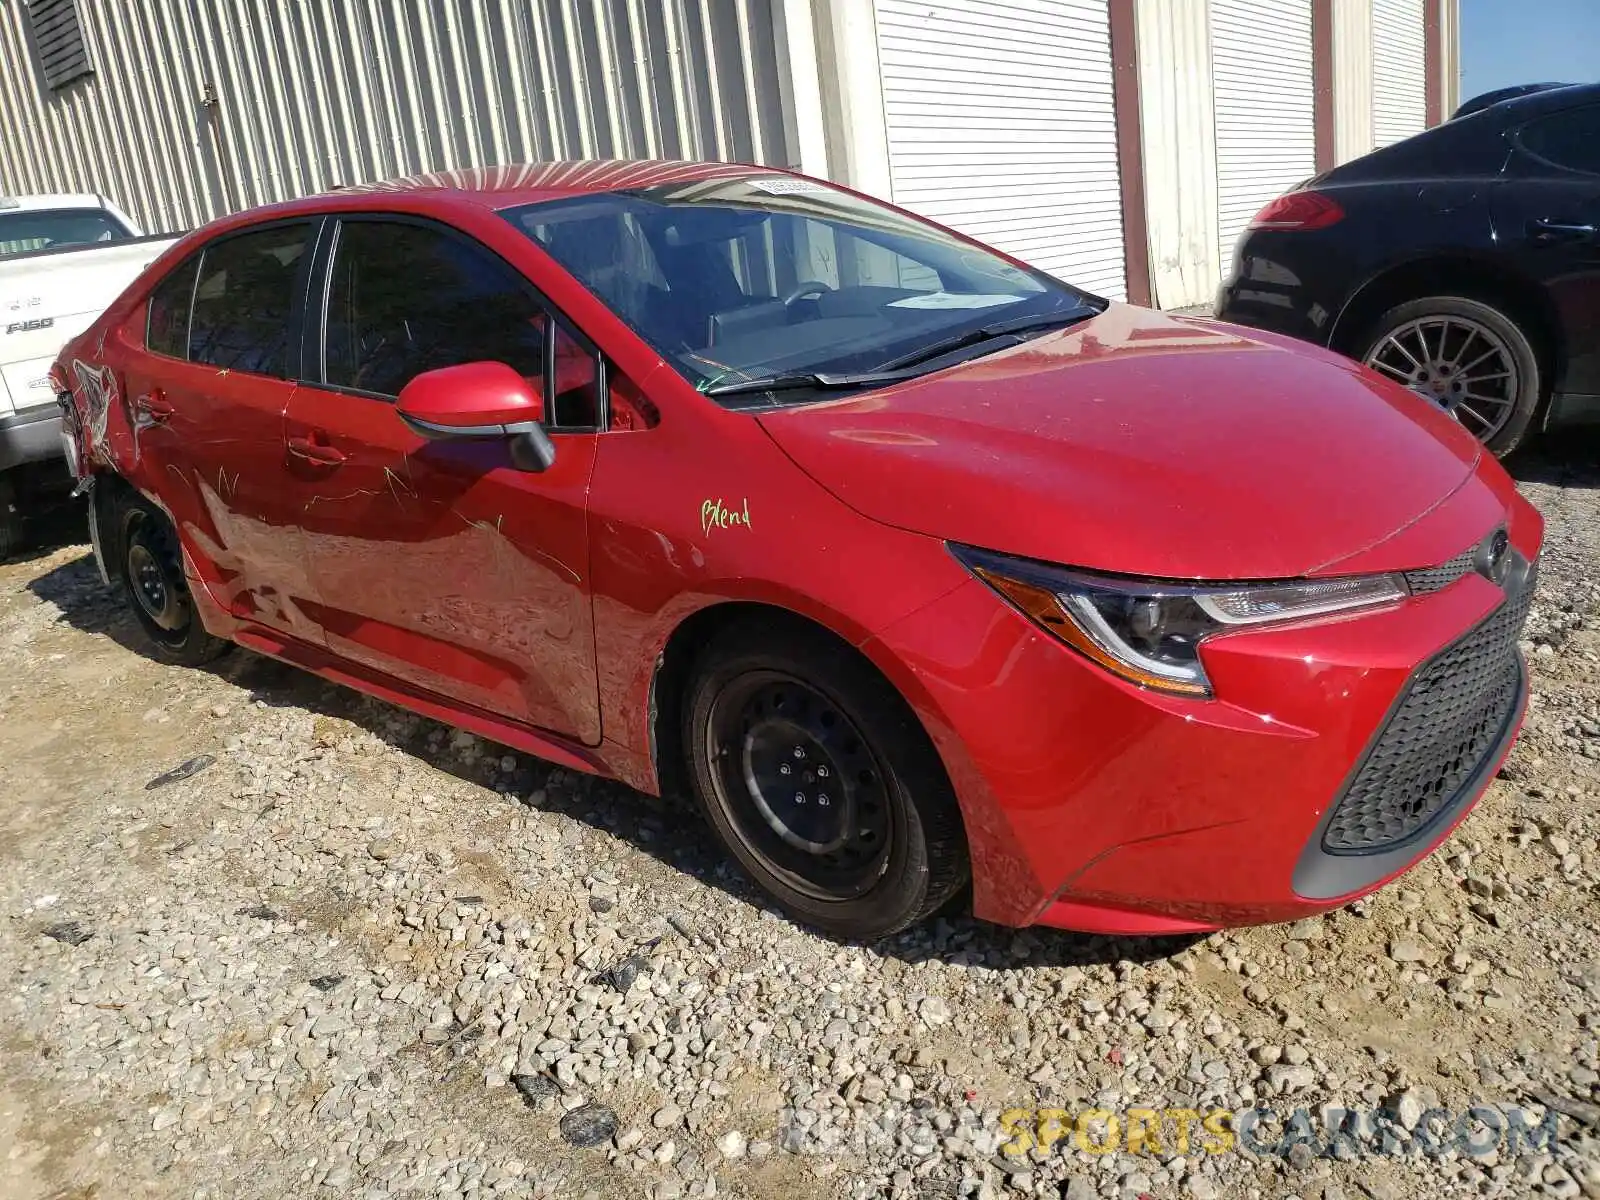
1494 557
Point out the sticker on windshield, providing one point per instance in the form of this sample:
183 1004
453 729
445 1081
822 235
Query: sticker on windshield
952 300
784 186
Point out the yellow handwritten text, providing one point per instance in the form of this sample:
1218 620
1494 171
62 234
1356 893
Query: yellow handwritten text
714 514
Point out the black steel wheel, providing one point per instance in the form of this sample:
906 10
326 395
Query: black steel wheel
152 575
818 778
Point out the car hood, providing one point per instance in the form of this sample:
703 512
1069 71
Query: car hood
1146 444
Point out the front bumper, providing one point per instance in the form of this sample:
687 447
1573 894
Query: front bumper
1096 806
33 435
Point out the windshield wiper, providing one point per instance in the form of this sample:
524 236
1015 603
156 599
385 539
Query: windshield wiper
985 333
820 380
907 366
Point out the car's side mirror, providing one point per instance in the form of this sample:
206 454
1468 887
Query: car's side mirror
480 400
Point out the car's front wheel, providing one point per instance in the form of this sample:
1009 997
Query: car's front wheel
1468 357
819 779
157 592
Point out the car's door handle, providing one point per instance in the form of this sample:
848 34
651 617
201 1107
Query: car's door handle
317 452
154 407
1543 230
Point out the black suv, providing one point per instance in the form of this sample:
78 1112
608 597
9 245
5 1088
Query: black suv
1463 262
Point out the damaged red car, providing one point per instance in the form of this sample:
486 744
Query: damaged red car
934 579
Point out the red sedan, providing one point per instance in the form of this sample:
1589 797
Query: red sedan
916 566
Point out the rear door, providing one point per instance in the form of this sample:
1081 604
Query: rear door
1547 217
439 563
207 402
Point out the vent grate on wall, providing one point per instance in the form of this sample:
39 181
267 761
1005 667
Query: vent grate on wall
58 37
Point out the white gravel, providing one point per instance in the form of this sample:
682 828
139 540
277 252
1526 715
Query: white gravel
360 954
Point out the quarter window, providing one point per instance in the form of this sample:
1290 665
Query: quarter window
1569 139
404 299
244 299
168 329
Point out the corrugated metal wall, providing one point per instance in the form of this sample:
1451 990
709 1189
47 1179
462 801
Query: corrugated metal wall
198 107
1178 129
1352 69
1399 78
1264 99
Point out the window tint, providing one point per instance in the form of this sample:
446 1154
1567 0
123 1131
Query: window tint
574 401
1568 139
167 331
243 299
52 228
405 299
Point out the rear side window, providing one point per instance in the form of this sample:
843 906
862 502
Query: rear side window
404 299
167 331
243 300
1569 139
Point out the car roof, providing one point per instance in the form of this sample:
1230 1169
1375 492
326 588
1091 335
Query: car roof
1518 108
528 183
1488 99
44 201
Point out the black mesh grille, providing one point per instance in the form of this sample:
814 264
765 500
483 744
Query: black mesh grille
1450 718
1433 579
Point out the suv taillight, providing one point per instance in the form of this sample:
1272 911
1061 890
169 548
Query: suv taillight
1298 210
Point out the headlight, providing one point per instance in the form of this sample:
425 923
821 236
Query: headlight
1149 632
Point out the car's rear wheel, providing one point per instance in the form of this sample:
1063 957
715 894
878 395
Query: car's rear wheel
1468 357
158 593
820 781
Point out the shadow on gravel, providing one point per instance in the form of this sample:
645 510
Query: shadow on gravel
669 830
51 521
1567 458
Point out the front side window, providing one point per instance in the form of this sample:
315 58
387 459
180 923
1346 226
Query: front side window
404 299
244 300
1569 139
32 230
767 276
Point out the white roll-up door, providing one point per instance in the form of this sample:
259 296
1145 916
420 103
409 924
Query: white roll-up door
1399 76
1266 137
1001 125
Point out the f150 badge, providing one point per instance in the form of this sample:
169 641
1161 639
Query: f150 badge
30 326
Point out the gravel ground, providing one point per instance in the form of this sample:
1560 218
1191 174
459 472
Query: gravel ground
357 953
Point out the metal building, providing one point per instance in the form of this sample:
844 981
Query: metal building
1122 144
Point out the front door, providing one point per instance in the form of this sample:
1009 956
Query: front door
439 563
1547 218
207 408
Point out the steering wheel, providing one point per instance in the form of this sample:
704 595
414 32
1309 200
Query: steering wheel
809 290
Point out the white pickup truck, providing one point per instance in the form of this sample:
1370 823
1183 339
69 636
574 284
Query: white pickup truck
63 259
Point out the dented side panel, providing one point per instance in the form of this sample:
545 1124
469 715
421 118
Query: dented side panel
442 565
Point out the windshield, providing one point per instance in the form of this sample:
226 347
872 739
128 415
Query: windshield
775 276
49 228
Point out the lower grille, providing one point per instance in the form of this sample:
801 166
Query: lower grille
1451 716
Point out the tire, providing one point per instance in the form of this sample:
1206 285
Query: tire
887 848
150 562
1466 330
11 524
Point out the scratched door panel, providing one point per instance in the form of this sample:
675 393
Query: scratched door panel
222 445
441 565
